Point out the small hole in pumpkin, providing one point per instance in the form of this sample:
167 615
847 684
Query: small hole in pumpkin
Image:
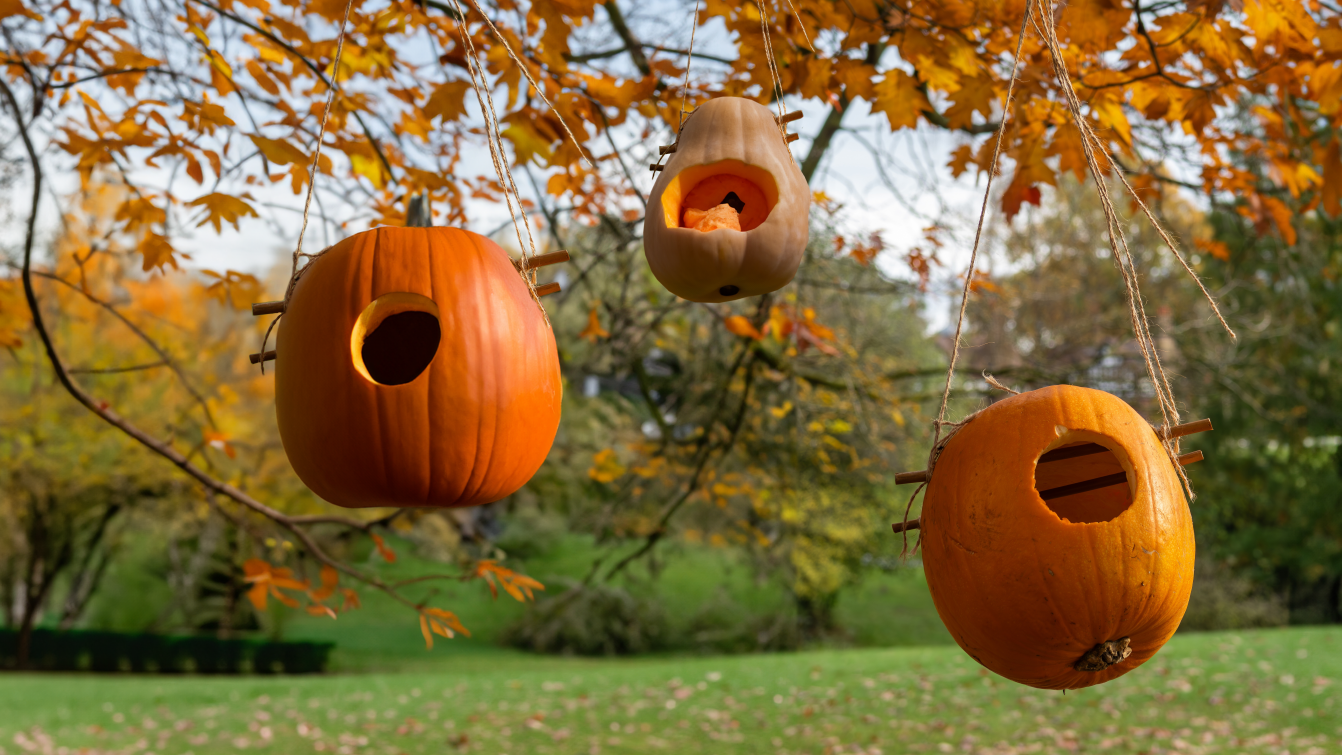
1062 475
734 202
401 347
729 290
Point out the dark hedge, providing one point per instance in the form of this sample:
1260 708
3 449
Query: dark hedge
76 650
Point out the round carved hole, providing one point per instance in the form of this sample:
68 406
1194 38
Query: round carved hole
396 338
1083 482
729 290
401 347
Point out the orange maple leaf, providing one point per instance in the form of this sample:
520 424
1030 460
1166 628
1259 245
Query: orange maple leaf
593 332
740 326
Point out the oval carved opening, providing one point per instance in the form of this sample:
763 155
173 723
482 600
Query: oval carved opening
1063 473
748 189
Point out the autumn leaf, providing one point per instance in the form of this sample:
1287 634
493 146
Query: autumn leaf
1215 248
15 8
898 96
593 332
329 579
1331 196
982 282
157 252
219 441
387 553
139 212
237 290
448 101
740 326
1281 216
519 586
279 151
606 467
220 208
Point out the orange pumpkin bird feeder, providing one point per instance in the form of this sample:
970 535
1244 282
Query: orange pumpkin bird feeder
1057 543
728 215
1056 535
414 368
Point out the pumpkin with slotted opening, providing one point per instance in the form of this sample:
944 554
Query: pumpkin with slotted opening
414 368
1057 592
729 214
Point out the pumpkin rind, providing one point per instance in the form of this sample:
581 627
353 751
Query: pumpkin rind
1028 594
739 139
472 428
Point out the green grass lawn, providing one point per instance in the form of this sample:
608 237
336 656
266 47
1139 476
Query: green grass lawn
1272 691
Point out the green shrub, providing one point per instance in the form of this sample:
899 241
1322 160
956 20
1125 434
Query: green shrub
719 627
590 620
1223 600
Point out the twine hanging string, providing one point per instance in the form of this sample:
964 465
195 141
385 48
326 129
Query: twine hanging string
937 441
1045 24
689 60
494 138
294 272
525 72
773 72
1118 245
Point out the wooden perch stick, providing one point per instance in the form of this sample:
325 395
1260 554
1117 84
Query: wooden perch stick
541 260
1118 478
666 149
795 115
1085 449
793 137
259 358
267 308
1085 486
654 167
547 289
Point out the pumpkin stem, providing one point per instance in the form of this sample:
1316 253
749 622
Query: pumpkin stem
1104 655
418 215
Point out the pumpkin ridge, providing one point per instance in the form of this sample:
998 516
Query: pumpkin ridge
379 438
431 242
488 377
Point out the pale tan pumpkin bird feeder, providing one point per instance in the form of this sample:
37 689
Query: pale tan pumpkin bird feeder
729 213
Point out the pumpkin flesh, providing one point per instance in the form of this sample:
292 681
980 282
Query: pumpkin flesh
1023 590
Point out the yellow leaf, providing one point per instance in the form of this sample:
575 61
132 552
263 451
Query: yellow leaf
527 142
279 151
222 207
157 252
140 212
606 467
370 167
781 411
898 96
